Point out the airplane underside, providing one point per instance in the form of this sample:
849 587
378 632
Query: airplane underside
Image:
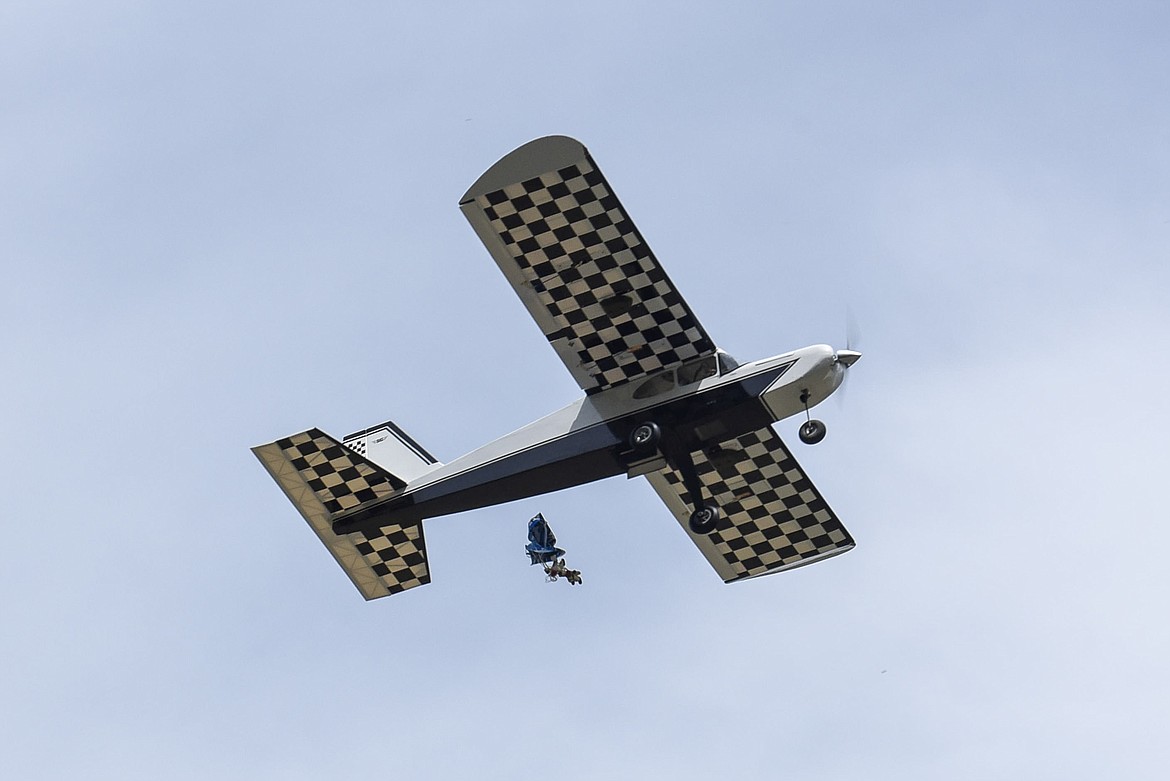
661 402
584 455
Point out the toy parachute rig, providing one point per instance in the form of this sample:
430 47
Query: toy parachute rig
542 549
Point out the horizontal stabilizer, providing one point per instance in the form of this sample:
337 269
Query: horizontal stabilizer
325 479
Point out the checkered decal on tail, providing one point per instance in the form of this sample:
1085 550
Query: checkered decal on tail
341 478
774 518
398 556
589 267
322 477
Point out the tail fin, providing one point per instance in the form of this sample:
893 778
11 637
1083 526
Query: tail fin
390 448
325 479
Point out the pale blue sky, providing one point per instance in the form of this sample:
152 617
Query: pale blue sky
224 223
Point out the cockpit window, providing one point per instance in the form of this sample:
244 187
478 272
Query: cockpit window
687 374
696 370
659 383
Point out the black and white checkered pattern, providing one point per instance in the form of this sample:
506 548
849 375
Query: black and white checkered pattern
322 478
341 478
588 265
397 555
773 517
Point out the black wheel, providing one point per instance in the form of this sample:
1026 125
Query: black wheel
644 438
812 432
705 519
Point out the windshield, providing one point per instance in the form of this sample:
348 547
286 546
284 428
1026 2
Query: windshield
697 370
726 362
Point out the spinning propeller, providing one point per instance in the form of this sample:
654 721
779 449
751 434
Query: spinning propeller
813 431
843 359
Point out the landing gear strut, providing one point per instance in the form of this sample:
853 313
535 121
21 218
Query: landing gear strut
705 517
811 431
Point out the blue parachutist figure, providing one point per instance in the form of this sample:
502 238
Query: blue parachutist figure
542 543
542 549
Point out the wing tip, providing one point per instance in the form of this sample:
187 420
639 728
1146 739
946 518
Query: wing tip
541 155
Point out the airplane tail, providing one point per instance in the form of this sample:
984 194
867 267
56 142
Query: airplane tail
392 449
326 479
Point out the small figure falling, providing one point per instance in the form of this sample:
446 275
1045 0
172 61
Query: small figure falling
542 549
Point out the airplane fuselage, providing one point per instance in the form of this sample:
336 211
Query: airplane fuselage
589 439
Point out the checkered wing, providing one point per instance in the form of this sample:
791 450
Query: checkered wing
773 517
324 479
584 272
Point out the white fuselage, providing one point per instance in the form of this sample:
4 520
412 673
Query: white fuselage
586 440
814 369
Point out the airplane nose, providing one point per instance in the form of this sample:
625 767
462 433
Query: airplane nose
847 357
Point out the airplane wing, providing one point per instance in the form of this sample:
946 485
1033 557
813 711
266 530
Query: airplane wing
325 479
774 519
553 225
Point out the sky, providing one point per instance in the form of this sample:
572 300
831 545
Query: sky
223 223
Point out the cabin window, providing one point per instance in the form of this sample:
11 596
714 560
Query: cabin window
696 370
658 384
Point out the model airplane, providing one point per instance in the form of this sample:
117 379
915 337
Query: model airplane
661 401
